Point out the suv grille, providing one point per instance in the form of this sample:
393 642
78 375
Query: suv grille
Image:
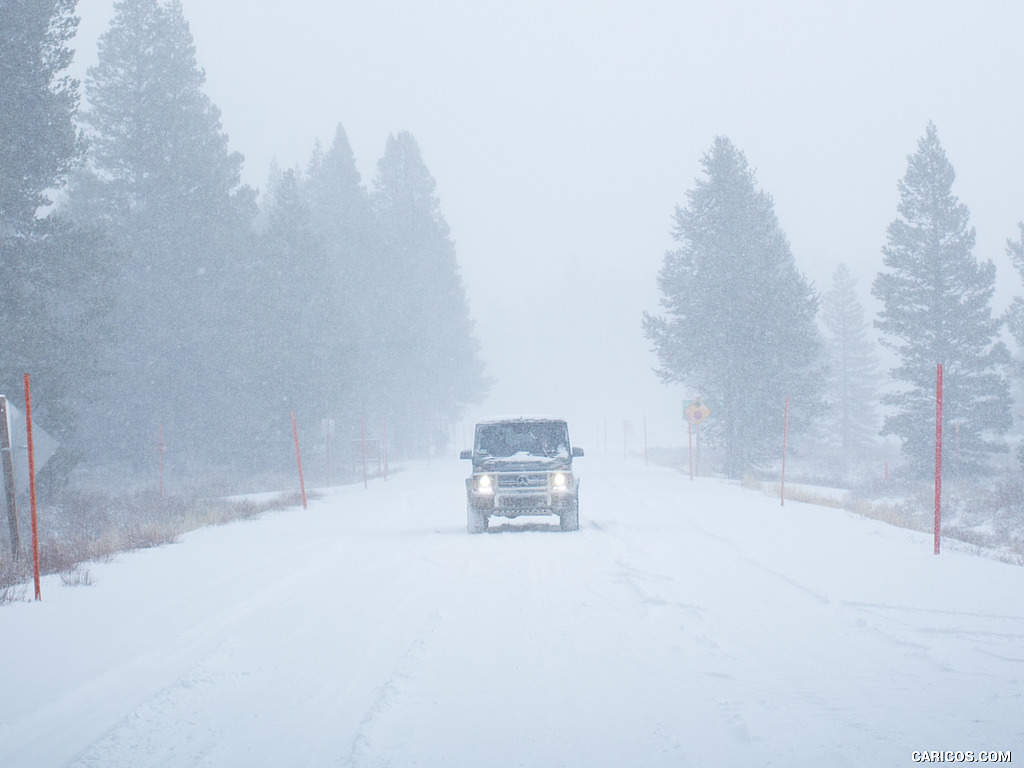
523 481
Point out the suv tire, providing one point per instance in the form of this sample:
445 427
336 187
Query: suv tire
476 521
569 520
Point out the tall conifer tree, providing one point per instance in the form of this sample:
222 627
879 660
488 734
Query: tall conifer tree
430 365
1015 315
161 177
343 217
851 420
739 323
39 143
1015 323
53 291
937 309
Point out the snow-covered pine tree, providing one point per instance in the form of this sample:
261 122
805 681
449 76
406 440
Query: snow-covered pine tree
937 308
739 324
1015 323
161 177
432 368
39 143
343 217
1015 314
53 291
288 329
155 136
851 420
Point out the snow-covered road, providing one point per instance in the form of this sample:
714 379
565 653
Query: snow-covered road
685 624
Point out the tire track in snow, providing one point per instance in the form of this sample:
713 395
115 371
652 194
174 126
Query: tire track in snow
205 641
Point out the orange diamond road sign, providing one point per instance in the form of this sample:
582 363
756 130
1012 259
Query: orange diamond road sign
696 411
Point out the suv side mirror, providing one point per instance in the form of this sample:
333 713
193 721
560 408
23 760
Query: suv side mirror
466 455
577 452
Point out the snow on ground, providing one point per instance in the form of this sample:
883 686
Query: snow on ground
685 624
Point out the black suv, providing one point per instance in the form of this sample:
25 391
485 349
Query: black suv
522 467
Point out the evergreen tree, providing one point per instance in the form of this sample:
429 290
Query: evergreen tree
156 141
39 143
162 179
429 366
290 288
1015 314
1015 322
343 218
852 381
53 275
739 324
937 310
54 323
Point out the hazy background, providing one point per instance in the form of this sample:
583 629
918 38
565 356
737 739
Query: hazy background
561 135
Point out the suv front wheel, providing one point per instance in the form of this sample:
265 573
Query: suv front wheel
569 519
476 520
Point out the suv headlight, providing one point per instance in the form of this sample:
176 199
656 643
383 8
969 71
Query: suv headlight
484 484
561 481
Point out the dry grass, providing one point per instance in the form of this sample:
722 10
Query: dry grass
899 514
77 577
986 521
80 527
810 496
794 492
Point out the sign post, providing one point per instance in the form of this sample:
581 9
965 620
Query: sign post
695 414
8 478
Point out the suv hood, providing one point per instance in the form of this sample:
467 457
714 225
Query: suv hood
523 463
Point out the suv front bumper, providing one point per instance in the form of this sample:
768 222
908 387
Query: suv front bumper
510 496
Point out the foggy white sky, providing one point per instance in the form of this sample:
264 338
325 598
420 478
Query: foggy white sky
562 133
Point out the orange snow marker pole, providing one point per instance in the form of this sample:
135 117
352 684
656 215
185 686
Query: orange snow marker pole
938 456
32 487
298 460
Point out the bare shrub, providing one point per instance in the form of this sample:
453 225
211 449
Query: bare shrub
13 593
899 514
77 527
13 576
77 577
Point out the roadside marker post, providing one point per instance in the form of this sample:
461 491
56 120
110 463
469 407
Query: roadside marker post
32 487
298 460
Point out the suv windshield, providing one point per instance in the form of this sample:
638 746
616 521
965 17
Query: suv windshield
534 438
